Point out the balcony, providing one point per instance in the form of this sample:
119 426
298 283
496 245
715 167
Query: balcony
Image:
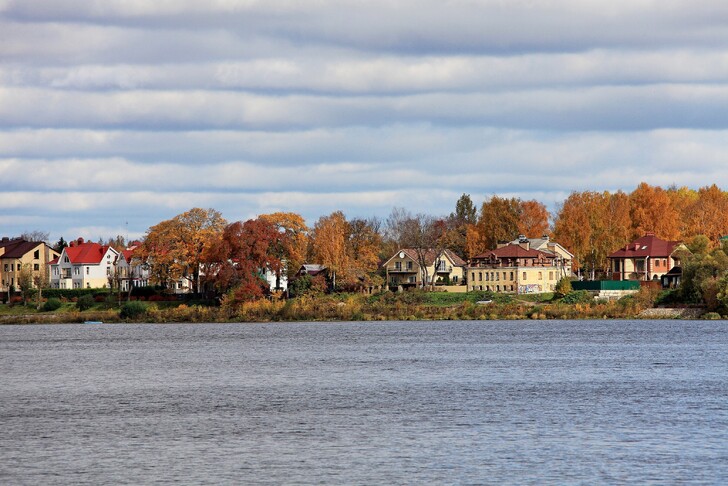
400 269
443 269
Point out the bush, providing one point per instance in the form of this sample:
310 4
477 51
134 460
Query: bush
563 287
51 305
578 297
133 309
85 302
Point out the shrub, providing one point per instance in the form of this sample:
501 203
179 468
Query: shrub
563 287
133 309
51 305
85 302
578 297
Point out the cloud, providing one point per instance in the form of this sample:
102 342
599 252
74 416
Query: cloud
117 114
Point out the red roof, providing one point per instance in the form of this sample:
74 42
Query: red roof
86 253
647 246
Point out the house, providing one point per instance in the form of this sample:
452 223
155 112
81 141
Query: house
514 268
84 265
130 271
563 257
646 258
312 269
16 254
443 268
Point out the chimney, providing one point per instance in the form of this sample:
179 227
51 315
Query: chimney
80 241
545 237
5 239
72 243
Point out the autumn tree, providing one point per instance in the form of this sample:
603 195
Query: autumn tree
364 248
533 220
651 210
292 246
456 236
174 248
499 220
329 239
236 258
708 214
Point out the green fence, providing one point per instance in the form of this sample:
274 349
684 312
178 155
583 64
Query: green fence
597 285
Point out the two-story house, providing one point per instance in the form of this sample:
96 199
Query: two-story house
514 268
130 271
646 258
17 254
84 265
442 268
563 257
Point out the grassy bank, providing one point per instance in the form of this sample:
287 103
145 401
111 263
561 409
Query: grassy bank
415 305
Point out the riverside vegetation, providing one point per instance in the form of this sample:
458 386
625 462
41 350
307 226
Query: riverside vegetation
316 306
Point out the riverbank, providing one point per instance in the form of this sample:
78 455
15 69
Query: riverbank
359 307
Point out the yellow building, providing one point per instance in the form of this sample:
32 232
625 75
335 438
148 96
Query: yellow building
18 254
514 268
442 268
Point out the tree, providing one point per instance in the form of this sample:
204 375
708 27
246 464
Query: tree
329 239
235 260
25 281
709 213
60 245
534 219
35 235
499 220
364 248
293 244
40 281
174 248
456 236
651 210
425 235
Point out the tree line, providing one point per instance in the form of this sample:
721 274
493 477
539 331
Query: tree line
212 253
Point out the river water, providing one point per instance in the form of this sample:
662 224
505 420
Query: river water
495 402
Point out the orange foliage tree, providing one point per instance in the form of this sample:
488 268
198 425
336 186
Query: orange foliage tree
293 244
651 210
534 219
173 248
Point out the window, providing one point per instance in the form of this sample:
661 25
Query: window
409 265
473 274
88 285
36 267
87 270
36 255
18 267
65 259
480 277
551 275
540 275
6 267
76 271
511 277
524 276
487 277
398 265
108 270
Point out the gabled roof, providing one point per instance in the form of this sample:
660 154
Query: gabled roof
647 246
430 256
312 269
514 251
18 248
89 253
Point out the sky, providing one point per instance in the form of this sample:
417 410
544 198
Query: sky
118 114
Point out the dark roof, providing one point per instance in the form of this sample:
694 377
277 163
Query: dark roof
513 251
18 248
431 255
647 246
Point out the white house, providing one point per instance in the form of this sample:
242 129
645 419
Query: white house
83 265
